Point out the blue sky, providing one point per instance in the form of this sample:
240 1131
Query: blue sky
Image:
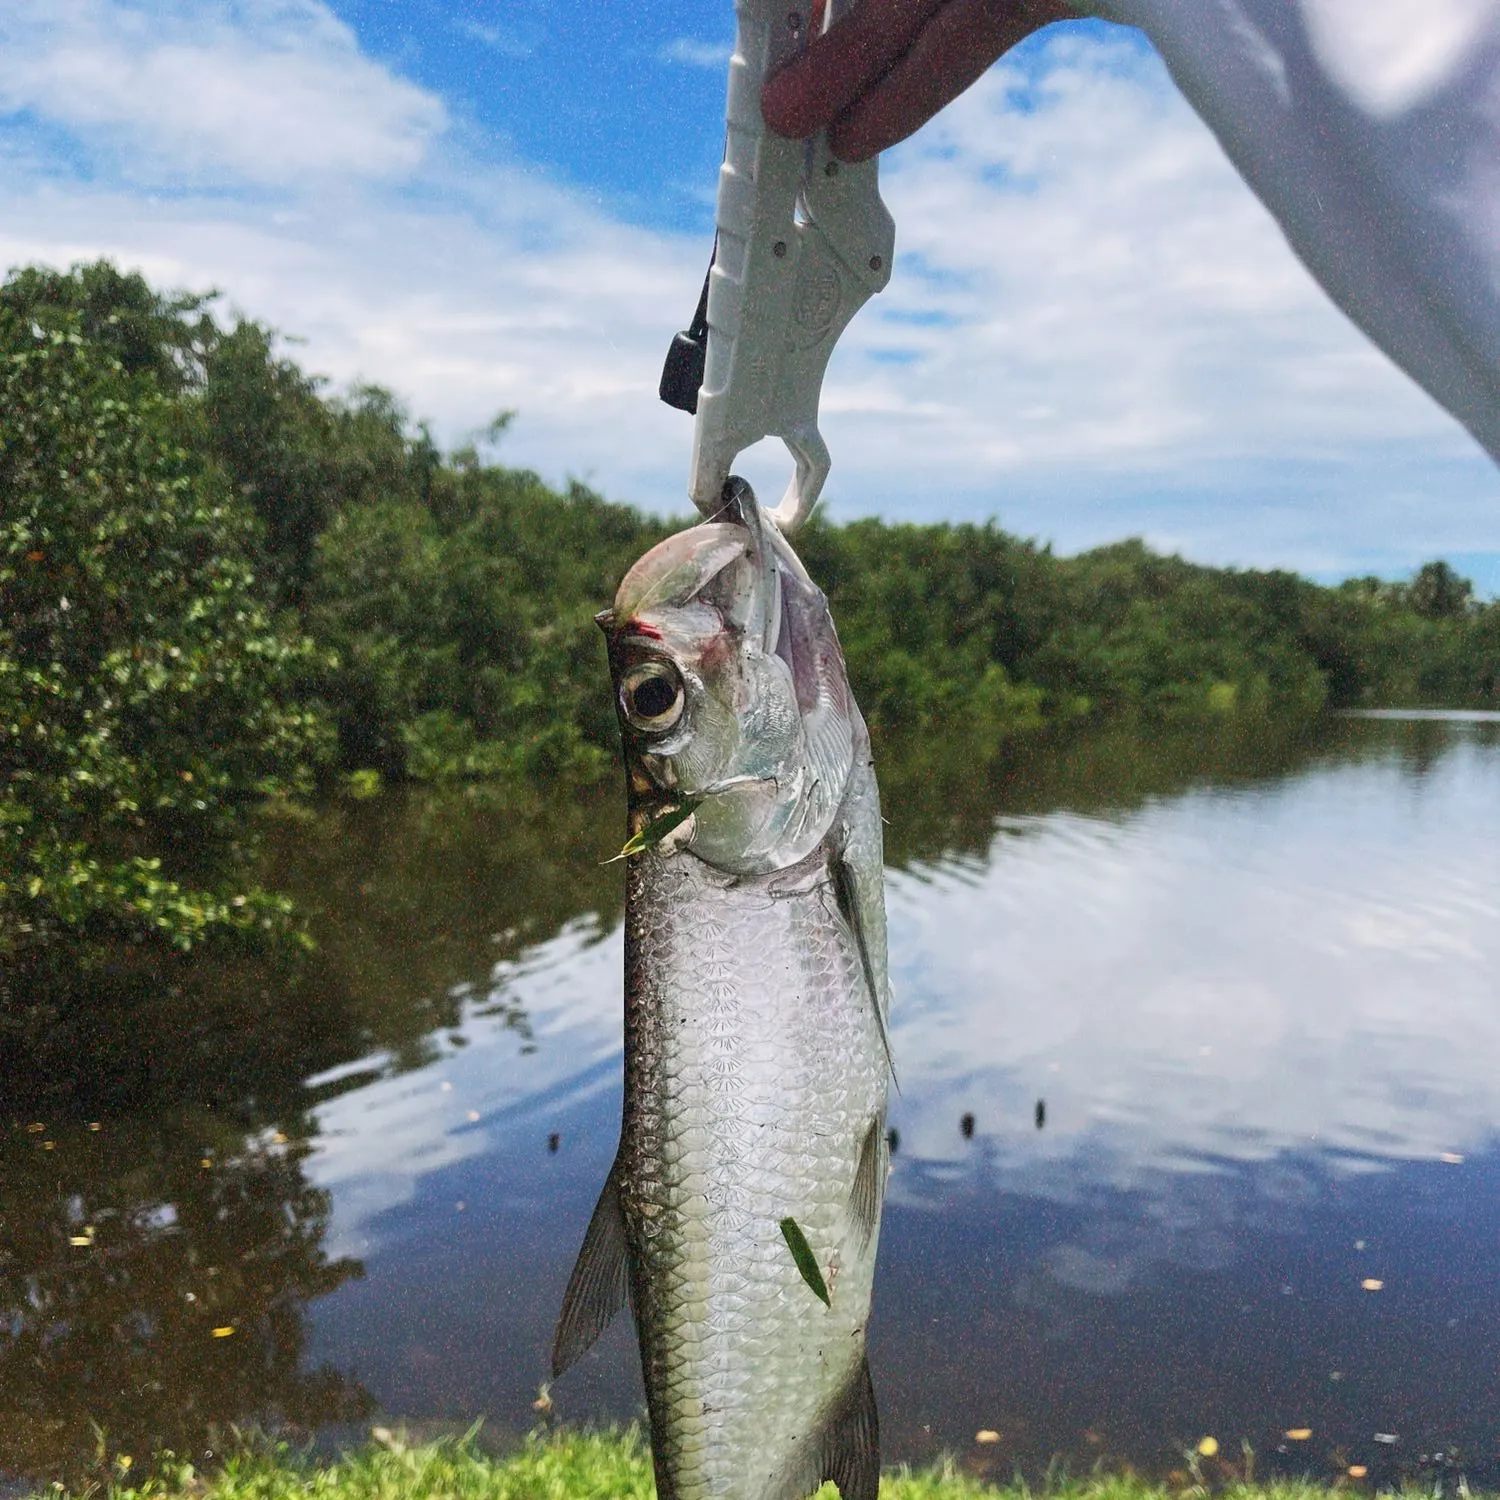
1093 329
623 101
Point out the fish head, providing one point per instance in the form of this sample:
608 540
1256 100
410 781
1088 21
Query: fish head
732 692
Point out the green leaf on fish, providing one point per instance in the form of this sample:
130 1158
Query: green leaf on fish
658 828
807 1262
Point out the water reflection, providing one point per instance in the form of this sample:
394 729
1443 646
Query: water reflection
164 1193
1181 1024
1231 973
1228 1301
1250 985
154 1276
417 895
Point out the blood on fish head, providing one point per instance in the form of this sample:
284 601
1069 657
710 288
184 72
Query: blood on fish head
731 690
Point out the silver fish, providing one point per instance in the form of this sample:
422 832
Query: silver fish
756 999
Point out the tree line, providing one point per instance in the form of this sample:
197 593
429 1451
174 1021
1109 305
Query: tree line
221 582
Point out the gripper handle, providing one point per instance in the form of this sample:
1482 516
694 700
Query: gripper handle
803 242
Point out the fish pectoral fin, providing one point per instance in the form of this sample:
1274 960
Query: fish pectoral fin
846 893
600 1282
869 1180
851 1442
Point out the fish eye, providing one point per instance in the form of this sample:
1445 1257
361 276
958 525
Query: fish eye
651 696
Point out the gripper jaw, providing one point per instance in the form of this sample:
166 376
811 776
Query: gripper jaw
803 241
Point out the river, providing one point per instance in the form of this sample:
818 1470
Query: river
1199 1051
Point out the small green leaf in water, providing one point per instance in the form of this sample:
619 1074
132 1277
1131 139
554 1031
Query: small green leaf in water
658 828
807 1262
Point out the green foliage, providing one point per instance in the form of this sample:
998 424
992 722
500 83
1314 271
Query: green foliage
598 1464
301 460
1438 593
121 316
964 627
463 623
937 622
186 512
1423 643
649 836
1142 634
145 694
807 1262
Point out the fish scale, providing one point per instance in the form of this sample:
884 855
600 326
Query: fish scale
767 994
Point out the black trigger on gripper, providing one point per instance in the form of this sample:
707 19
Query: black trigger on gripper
682 374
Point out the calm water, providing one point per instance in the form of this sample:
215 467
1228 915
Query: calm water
1199 1131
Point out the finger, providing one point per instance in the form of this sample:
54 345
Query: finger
840 65
952 51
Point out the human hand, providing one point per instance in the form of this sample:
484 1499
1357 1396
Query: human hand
890 65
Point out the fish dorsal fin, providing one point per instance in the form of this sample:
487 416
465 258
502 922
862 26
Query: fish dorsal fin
600 1282
851 1441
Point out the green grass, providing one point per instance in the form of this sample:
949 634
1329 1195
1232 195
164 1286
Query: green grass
577 1466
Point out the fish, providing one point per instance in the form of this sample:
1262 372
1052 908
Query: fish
757 997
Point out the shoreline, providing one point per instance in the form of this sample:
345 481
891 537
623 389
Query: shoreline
615 1464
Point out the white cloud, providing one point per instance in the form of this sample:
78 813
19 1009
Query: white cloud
696 54
1093 328
523 299
269 91
1115 300
497 38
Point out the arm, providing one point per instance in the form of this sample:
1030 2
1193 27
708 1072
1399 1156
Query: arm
1370 132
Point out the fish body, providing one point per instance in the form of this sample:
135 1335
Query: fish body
756 1065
